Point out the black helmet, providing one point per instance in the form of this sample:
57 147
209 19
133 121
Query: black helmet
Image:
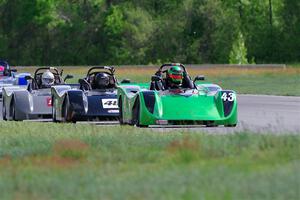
101 80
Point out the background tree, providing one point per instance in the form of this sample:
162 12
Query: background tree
290 40
238 53
92 32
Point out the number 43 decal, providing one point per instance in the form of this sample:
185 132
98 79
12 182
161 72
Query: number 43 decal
228 96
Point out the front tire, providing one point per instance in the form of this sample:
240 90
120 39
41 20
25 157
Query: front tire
136 114
13 110
230 125
65 111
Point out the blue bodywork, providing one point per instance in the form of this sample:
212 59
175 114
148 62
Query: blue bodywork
9 77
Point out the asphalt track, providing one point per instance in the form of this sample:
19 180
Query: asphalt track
266 114
256 113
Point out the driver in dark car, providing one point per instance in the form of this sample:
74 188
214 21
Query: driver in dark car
101 81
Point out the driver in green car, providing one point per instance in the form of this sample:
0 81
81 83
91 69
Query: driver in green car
174 78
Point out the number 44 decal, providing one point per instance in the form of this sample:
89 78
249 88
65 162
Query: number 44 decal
109 103
228 96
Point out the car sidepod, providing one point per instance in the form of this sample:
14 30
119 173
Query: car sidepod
33 105
20 104
90 105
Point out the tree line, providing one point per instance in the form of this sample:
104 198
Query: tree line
90 32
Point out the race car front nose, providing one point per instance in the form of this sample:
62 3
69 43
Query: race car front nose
228 100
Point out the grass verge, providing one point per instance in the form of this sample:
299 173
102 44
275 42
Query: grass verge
64 161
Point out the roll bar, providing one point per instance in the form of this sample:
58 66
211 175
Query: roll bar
109 68
45 68
160 70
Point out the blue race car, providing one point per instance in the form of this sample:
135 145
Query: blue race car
95 98
9 77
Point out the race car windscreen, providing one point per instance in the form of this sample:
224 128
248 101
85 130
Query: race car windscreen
213 88
206 88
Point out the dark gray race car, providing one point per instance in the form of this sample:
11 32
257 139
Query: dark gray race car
33 101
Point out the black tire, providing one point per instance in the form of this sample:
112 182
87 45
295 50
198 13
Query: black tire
211 125
230 125
53 110
65 111
136 114
3 110
13 110
120 104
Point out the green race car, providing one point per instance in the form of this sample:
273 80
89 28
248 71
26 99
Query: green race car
172 98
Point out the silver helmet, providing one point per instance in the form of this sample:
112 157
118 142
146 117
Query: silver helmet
47 78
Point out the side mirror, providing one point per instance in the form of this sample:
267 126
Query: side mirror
199 78
69 76
125 80
84 84
28 78
83 81
155 78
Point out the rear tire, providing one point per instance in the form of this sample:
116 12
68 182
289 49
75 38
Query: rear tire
53 110
120 111
211 125
3 110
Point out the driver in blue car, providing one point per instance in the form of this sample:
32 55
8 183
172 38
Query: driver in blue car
101 81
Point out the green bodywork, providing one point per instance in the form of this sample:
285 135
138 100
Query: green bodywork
191 105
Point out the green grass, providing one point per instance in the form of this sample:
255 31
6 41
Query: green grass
268 84
296 65
66 161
